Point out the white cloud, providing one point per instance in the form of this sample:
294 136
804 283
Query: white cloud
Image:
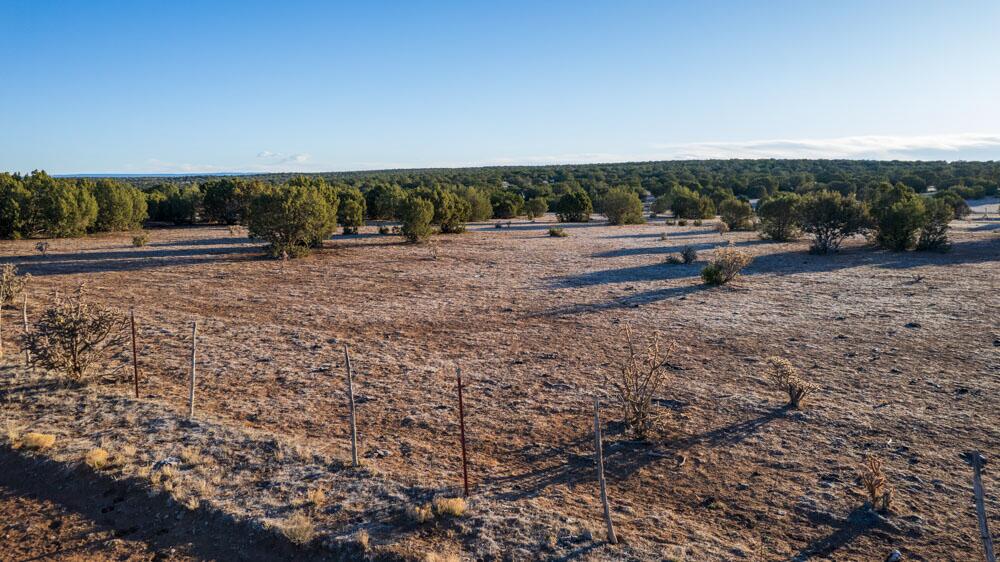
880 147
275 158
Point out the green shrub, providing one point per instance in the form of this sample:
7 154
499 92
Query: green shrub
558 232
536 207
697 222
661 204
960 208
350 209
623 206
574 206
227 200
60 208
15 209
682 222
119 206
725 266
830 218
779 216
938 213
480 208
382 201
687 204
416 214
174 204
899 214
506 204
737 214
292 219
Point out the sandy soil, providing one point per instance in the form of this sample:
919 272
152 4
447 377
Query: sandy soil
904 347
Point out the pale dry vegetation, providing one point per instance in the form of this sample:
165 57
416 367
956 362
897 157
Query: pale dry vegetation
641 375
788 379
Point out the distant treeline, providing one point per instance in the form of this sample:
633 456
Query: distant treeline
40 205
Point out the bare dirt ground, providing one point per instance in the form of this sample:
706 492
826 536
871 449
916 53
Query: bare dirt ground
904 347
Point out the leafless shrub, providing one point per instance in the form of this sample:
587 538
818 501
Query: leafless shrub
73 337
725 266
880 492
689 254
42 248
140 240
787 378
11 286
641 375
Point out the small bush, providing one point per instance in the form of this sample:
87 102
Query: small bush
670 223
419 513
786 377
721 227
140 240
574 206
899 213
689 254
725 266
682 222
558 232
299 529
363 540
383 229
698 222
934 233
641 375
73 336
536 207
416 214
450 507
779 216
831 217
96 458
623 206
959 206
737 214
674 260
880 492
316 497
11 286
38 441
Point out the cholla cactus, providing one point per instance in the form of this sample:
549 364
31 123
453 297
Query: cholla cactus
787 378
73 336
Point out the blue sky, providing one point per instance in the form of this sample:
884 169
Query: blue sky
170 87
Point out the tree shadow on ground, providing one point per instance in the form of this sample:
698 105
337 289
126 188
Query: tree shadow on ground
124 509
529 226
629 301
130 259
863 520
659 250
573 463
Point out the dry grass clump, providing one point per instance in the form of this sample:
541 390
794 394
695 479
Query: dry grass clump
787 378
363 540
96 458
13 434
316 497
191 456
640 377
725 266
419 513
436 557
124 455
873 478
450 507
299 529
38 441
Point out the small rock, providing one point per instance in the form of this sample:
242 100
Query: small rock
913 325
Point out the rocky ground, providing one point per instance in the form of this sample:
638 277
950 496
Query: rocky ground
905 350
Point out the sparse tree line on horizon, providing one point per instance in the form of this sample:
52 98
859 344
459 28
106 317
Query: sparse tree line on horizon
302 211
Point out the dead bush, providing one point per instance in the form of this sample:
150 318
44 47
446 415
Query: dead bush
640 377
689 254
73 337
787 378
96 458
725 266
880 492
11 285
417 513
38 441
299 529
450 507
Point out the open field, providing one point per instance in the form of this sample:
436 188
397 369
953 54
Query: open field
905 348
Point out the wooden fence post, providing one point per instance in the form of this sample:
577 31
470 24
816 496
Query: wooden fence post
977 461
24 316
135 354
599 450
354 421
461 425
194 347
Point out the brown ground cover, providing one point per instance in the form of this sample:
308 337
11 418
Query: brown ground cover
904 347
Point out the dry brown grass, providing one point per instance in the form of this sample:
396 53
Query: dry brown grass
439 557
417 513
363 540
38 441
788 379
96 458
450 507
191 456
316 497
299 529
873 478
